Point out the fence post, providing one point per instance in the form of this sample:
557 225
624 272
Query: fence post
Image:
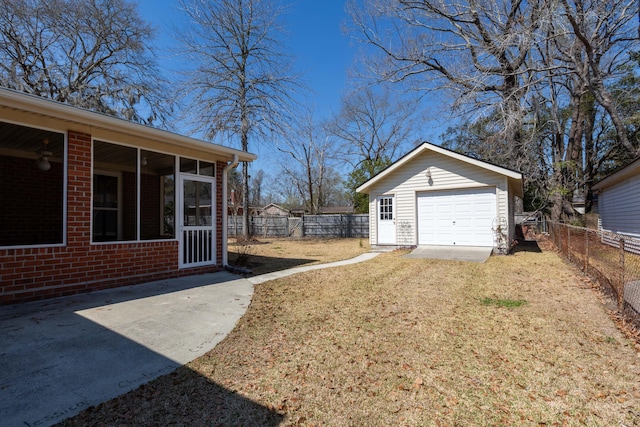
568 242
620 290
586 251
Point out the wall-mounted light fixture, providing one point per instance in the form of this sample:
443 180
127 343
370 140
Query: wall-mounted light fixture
428 173
43 159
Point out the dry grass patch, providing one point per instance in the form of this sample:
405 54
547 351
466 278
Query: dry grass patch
399 341
268 255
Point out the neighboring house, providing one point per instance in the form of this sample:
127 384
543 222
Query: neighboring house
88 201
274 210
234 206
298 212
236 209
619 200
434 196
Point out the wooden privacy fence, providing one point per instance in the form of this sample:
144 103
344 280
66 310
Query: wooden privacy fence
326 226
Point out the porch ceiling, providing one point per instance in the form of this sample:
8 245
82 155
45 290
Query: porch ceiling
25 141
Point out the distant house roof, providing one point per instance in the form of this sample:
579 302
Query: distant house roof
512 175
336 210
631 170
298 211
273 209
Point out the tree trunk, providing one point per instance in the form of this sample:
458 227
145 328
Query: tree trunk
557 184
244 139
589 169
245 201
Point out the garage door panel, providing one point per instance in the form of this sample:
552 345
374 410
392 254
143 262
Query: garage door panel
457 217
461 208
484 210
443 222
444 209
464 223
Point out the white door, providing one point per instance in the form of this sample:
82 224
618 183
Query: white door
386 221
196 219
457 217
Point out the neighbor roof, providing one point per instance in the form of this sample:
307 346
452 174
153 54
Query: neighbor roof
45 107
632 169
426 146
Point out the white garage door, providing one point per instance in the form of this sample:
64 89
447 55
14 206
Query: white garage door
457 217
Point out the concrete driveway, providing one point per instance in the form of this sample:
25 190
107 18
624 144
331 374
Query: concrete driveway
452 253
61 356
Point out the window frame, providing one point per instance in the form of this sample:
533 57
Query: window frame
200 164
117 209
65 185
386 208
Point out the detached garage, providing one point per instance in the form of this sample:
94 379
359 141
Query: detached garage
434 196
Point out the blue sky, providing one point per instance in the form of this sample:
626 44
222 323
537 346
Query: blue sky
322 52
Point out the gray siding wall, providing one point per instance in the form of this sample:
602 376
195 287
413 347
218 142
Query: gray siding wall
619 207
446 174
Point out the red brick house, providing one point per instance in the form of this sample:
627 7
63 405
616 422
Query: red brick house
88 201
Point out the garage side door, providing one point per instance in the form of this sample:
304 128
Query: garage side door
457 217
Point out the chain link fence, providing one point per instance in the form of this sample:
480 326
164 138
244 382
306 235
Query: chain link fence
613 260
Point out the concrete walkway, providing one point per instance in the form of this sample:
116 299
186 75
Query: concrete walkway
61 356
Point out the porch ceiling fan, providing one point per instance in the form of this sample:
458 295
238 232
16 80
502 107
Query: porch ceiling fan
43 156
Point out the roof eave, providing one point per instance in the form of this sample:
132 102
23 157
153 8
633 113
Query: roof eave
631 170
57 110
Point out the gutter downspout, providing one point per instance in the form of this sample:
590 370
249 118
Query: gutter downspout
225 209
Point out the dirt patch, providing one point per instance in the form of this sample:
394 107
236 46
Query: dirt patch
397 341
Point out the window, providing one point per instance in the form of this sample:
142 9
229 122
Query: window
114 192
32 180
197 167
157 195
386 208
106 226
117 195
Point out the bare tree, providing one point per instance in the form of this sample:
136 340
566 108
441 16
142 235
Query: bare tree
91 53
474 50
242 83
534 77
257 183
606 33
373 125
309 151
584 49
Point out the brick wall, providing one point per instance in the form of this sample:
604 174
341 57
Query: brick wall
36 273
